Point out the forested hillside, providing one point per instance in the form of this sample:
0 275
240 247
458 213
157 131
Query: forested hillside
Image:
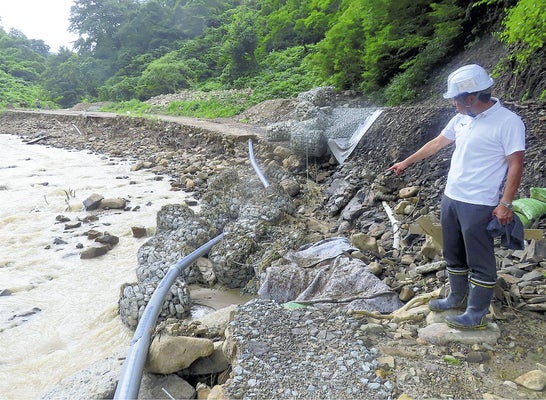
386 50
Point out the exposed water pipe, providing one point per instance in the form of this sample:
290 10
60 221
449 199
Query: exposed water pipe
395 226
255 165
131 374
75 127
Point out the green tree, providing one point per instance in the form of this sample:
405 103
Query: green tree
340 53
446 19
72 77
314 23
97 22
524 33
168 74
21 67
239 44
21 57
279 29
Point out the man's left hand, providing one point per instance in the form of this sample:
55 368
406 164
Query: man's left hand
503 214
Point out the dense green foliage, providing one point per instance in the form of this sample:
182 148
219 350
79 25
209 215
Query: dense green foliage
21 65
524 26
131 50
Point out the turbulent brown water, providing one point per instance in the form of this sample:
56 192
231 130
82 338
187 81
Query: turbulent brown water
61 315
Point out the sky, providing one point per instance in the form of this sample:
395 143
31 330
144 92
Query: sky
39 19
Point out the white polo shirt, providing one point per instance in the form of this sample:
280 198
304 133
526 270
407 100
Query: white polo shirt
479 165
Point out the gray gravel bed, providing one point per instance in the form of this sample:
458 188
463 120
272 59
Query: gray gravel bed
306 353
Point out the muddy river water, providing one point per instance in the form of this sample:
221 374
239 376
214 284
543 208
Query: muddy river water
58 313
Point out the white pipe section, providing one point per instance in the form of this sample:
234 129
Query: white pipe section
255 165
395 226
75 127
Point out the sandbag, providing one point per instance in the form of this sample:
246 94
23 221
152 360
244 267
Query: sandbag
530 208
538 194
524 220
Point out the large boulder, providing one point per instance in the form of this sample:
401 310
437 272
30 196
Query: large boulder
169 354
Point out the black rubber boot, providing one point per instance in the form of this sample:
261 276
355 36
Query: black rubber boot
473 318
458 293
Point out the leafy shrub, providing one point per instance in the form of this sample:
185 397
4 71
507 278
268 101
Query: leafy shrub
283 74
524 27
119 89
19 93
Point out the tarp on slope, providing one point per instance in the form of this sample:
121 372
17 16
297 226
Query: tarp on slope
324 274
342 148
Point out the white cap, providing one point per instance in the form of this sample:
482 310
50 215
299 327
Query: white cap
468 79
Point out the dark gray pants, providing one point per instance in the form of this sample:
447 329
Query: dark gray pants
467 244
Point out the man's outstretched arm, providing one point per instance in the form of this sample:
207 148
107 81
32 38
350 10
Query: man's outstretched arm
428 149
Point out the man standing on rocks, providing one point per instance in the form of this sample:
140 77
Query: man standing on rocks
484 175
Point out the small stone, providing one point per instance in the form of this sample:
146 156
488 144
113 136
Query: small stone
108 239
365 242
407 259
400 207
406 293
407 192
114 204
291 187
72 225
94 251
375 268
477 357
386 362
372 329
432 267
139 231
59 241
92 202
93 234
510 384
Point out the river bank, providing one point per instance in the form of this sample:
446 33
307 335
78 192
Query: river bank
189 158
58 312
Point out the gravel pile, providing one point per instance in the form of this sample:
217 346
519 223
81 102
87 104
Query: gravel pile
302 353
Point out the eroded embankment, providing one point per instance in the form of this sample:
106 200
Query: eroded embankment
189 155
